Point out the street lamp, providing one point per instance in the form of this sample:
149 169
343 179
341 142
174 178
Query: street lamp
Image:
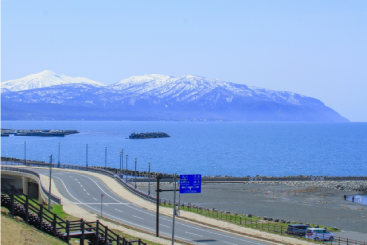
127 166
122 163
49 191
136 160
25 152
59 156
105 168
149 180
86 160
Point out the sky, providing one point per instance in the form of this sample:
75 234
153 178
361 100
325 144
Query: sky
315 48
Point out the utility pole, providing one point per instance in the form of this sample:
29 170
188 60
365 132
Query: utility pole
136 160
127 158
159 177
59 165
149 180
122 163
174 210
25 152
86 160
49 190
105 168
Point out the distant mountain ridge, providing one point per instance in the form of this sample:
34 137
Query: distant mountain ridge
44 79
49 96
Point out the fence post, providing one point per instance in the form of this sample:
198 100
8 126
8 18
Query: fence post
26 208
54 224
105 235
97 231
12 200
40 216
281 229
67 231
118 240
82 237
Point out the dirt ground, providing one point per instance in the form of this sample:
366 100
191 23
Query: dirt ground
314 205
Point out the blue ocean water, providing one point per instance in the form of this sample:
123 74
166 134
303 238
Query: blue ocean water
207 148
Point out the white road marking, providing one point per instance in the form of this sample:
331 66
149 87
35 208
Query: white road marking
196 228
165 225
137 217
95 198
119 210
84 189
193 234
112 203
81 185
229 243
88 193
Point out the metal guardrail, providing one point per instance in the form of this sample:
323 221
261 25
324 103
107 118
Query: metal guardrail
90 169
54 198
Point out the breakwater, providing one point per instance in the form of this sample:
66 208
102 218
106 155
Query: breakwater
148 135
41 133
346 185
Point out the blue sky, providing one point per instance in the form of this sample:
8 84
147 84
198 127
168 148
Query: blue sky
315 48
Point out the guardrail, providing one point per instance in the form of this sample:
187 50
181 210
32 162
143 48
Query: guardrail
90 169
54 198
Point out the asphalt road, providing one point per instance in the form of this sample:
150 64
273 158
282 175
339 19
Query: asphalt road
85 191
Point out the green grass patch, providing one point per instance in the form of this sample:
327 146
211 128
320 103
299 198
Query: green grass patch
253 222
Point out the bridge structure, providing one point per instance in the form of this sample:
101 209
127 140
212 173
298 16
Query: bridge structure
83 190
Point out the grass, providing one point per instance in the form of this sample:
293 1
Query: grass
33 235
254 222
15 231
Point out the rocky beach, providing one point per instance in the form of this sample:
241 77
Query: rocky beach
312 202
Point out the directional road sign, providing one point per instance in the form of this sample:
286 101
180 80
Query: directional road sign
190 183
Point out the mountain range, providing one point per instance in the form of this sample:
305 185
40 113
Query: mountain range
50 96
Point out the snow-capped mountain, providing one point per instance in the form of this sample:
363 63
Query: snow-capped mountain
161 97
44 79
141 84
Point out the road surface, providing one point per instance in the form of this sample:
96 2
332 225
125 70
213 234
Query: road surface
85 190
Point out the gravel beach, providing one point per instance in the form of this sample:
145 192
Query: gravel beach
307 204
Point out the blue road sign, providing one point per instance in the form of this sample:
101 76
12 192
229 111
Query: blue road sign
190 183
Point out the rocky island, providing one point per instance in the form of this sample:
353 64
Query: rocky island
148 135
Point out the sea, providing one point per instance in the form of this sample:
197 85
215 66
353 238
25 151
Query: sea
237 149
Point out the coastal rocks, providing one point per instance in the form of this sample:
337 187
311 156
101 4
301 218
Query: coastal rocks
148 135
356 185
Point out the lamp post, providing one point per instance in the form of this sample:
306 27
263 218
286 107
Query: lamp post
149 180
25 152
127 166
49 191
105 168
59 165
136 160
86 158
121 163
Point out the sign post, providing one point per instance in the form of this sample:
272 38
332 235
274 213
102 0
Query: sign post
101 203
190 183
